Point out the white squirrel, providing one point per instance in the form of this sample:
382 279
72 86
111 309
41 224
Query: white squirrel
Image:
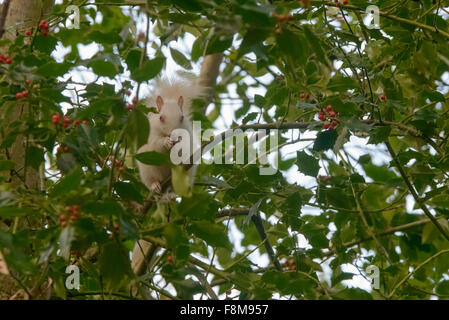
173 98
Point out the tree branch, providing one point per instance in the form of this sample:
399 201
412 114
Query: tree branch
415 195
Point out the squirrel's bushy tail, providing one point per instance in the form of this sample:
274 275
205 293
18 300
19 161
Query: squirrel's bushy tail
176 86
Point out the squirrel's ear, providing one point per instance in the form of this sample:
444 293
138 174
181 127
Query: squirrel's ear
180 101
159 103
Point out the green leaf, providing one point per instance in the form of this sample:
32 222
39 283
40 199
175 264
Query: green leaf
443 287
212 233
314 43
108 207
307 164
6 165
45 44
218 43
114 264
180 59
379 135
138 127
103 68
340 83
34 157
153 158
53 69
12 211
199 206
325 140
149 69
68 183
127 191
292 44
180 181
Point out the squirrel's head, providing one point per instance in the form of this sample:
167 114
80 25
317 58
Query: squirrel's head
170 114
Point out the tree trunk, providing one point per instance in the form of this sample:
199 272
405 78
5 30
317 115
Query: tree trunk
16 17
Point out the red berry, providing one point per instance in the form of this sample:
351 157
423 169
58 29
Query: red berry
303 95
135 100
2 59
45 32
332 113
28 32
170 259
128 93
84 122
345 1
329 108
8 60
307 96
55 119
25 93
287 263
338 4
129 106
228 292
66 121
19 95
326 125
293 267
76 123
66 149
322 117
121 169
278 31
73 217
59 150
62 218
141 36
28 82
116 226
42 23
64 224
383 97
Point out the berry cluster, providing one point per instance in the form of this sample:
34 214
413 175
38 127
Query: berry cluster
66 122
5 59
62 149
119 165
329 117
304 96
325 179
114 232
290 264
284 18
134 104
44 27
22 94
345 2
74 212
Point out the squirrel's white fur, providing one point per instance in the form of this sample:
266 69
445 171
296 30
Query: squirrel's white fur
173 98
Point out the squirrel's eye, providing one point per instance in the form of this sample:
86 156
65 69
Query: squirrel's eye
181 119
162 118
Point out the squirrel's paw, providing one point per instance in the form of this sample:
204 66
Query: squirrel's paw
156 188
168 143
